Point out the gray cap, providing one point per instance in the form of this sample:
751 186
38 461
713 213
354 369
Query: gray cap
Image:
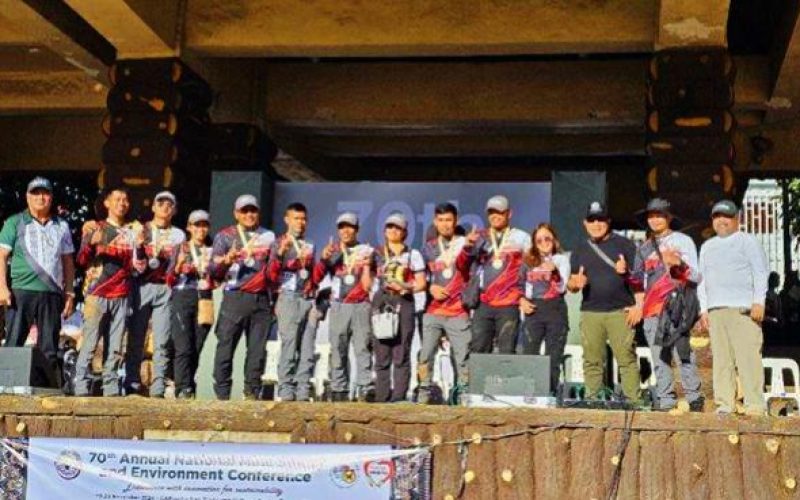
398 219
199 216
246 200
725 207
40 183
165 195
347 218
497 202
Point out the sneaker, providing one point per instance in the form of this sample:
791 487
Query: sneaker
365 395
423 396
697 405
340 396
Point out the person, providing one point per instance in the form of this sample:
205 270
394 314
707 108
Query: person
401 274
448 259
39 244
150 298
600 272
192 312
290 266
108 252
732 292
239 258
499 253
351 266
543 275
664 263
773 312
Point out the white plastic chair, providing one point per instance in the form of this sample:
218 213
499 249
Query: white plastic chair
777 386
641 353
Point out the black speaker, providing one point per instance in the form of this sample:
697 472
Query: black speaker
25 367
227 186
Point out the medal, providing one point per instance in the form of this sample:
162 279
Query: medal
447 257
153 263
303 274
497 248
349 279
250 261
155 235
299 246
447 273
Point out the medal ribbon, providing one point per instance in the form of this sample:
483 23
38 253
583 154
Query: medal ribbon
197 259
348 258
298 248
446 252
247 243
496 248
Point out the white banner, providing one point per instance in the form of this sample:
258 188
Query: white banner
165 470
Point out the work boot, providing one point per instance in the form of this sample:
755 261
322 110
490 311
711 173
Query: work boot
340 396
365 394
698 404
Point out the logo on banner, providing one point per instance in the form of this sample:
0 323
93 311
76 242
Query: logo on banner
68 464
379 472
344 476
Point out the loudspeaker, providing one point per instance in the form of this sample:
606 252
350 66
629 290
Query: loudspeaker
571 193
509 375
25 367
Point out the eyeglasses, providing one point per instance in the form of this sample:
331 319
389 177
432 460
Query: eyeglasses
394 226
544 239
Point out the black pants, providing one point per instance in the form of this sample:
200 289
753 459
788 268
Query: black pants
547 324
241 312
188 337
42 309
490 324
393 356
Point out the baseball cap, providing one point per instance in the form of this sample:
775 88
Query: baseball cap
165 195
246 200
198 216
347 218
497 202
725 207
40 183
597 210
397 219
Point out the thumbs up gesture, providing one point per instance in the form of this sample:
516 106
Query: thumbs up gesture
327 252
578 281
621 266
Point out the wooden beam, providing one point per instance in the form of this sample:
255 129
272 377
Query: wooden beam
137 28
52 92
354 28
71 39
684 23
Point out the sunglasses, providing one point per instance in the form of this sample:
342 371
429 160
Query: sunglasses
596 219
248 210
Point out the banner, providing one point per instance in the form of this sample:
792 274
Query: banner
47 468
374 201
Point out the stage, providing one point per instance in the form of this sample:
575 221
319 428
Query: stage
489 453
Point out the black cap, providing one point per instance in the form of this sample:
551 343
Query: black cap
596 210
659 205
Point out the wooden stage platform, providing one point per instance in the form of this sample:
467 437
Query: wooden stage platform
548 453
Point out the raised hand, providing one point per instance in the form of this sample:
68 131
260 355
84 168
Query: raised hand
671 256
578 281
327 252
621 266
88 227
284 245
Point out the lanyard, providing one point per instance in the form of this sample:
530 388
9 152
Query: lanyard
245 242
446 251
198 259
349 258
298 245
497 247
